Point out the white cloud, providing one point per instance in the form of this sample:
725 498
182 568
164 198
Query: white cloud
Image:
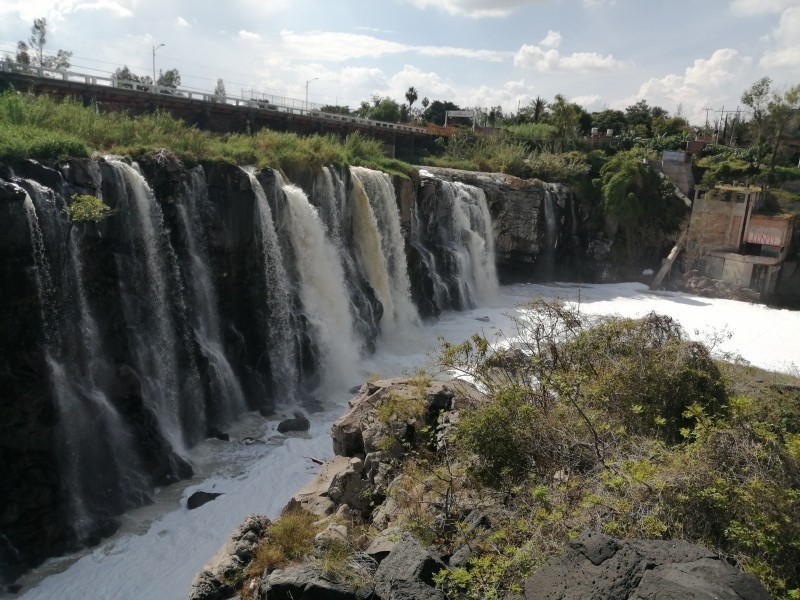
248 36
599 3
27 10
337 46
475 9
590 103
114 7
708 82
551 40
787 38
534 57
181 22
428 84
758 7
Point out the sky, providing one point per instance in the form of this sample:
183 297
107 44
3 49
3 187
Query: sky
683 55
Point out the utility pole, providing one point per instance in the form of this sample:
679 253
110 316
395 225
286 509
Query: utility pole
708 110
307 82
154 62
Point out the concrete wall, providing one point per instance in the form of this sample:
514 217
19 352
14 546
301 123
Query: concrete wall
715 225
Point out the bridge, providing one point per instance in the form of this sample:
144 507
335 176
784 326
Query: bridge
207 111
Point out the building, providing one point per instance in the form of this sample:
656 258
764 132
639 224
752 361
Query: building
730 239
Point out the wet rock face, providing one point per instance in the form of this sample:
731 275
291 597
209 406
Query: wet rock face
31 503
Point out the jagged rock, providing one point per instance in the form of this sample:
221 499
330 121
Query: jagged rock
407 572
598 567
385 542
303 582
335 476
299 423
198 499
331 535
213 582
220 435
358 432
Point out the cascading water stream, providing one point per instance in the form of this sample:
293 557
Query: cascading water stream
551 236
330 197
377 186
149 295
460 238
322 290
227 396
283 351
473 215
100 469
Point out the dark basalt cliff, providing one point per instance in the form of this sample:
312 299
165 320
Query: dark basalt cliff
103 317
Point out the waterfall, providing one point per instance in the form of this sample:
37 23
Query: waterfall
283 351
384 247
153 302
227 398
461 240
322 290
551 236
101 472
472 213
331 199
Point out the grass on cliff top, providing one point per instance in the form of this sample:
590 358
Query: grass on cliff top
43 128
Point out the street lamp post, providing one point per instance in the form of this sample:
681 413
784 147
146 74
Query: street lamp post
307 82
154 62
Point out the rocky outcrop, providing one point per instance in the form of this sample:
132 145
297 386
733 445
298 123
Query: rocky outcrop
216 580
355 487
598 567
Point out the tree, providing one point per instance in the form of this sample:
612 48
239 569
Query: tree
609 119
565 117
170 80
534 112
22 54
38 39
123 75
757 98
381 109
640 117
36 43
783 110
219 90
436 111
425 102
641 204
411 96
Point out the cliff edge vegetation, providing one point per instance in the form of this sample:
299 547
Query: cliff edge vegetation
40 127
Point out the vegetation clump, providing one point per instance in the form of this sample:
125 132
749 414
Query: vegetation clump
623 426
40 127
86 208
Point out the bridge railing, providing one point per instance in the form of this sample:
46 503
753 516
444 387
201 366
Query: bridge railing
274 104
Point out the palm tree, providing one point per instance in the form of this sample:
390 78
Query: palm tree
411 96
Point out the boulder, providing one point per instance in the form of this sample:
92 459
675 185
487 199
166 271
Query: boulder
598 567
407 572
212 583
299 423
303 582
197 499
336 483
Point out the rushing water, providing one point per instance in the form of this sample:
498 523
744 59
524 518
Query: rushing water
159 551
